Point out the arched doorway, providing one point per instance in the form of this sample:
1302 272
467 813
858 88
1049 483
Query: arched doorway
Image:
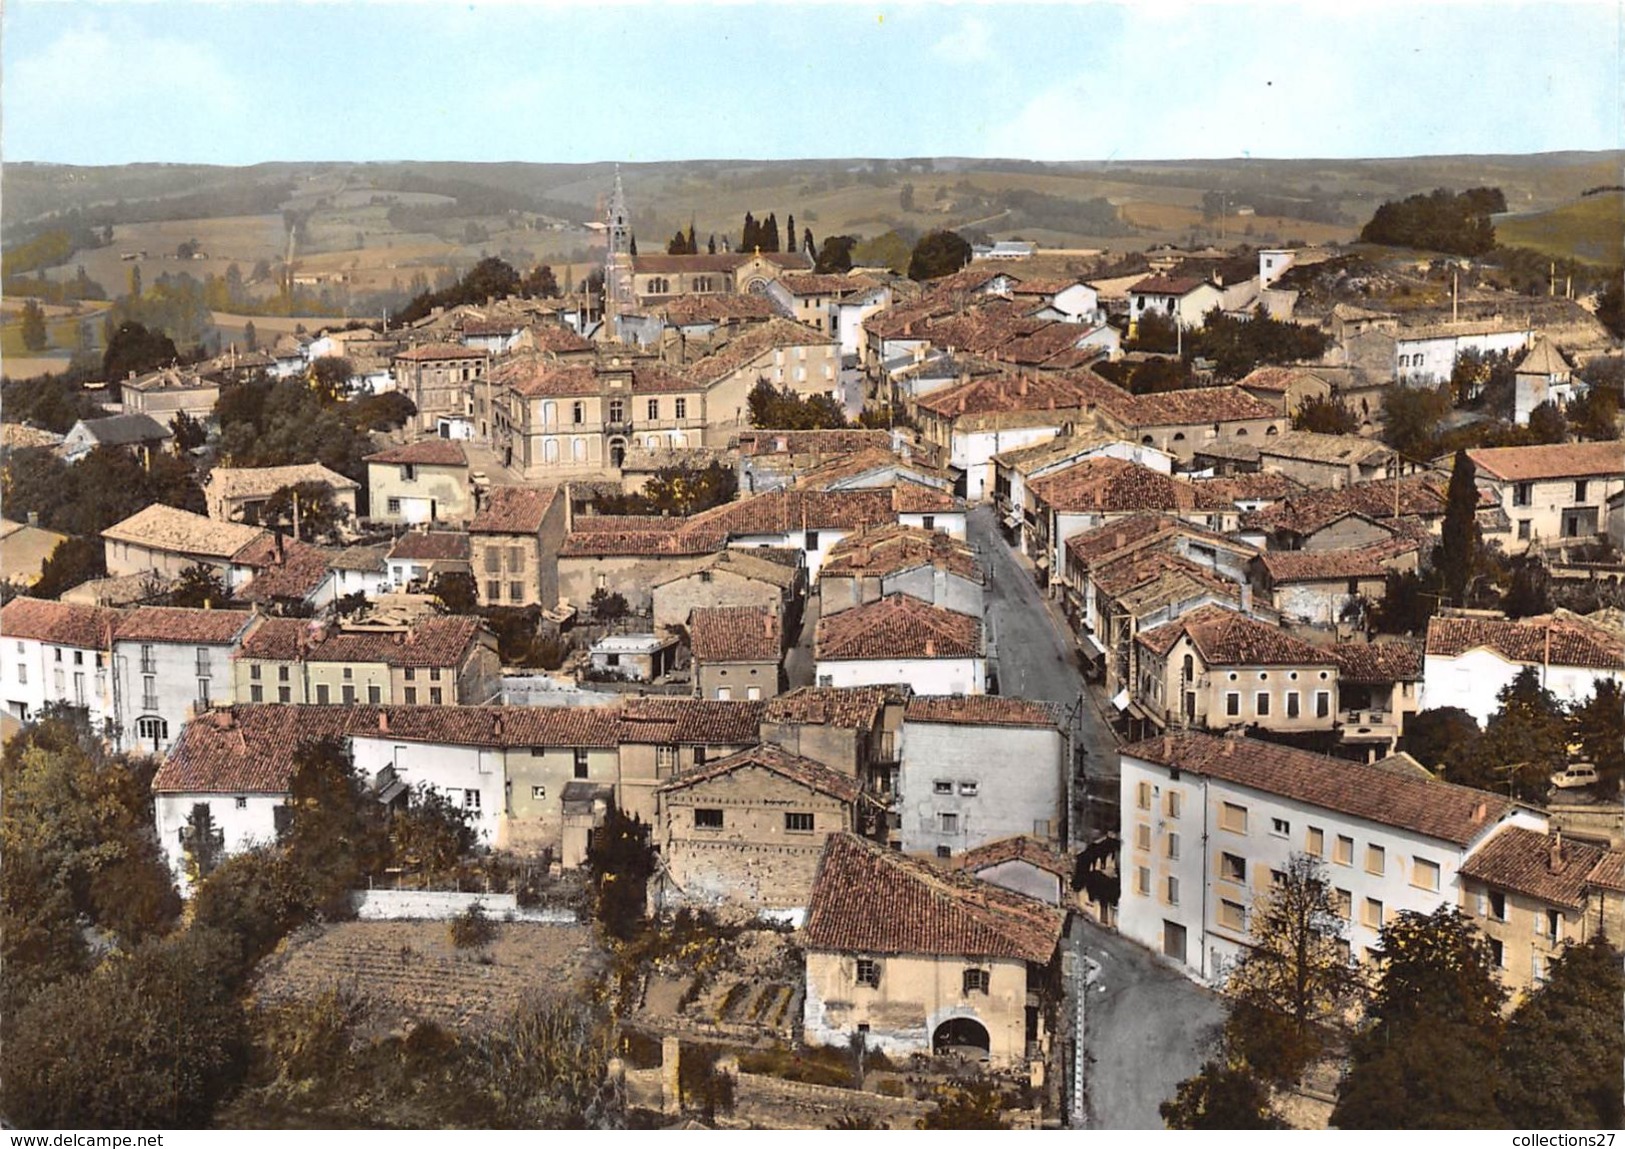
617 452
961 1036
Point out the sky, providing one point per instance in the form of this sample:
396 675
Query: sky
124 81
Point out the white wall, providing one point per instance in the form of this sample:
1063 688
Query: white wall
973 451
950 523
1017 772
33 673
925 675
245 820
175 682
1473 679
453 770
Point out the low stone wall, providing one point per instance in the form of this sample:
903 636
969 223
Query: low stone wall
443 905
780 1104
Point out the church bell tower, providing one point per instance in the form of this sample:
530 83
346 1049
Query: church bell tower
618 298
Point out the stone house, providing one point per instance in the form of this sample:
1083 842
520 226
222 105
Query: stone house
514 544
419 555
1285 388
1014 472
1552 494
1426 356
424 482
168 540
1326 461
440 379
1023 865
169 392
239 494
781 352
664 737
732 577
170 664
749 830
854 730
1323 588
1379 687
1185 300
1182 422
928 565
1543 376
912 958
899 639
737 650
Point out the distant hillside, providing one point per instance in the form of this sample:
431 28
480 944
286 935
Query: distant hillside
1591 229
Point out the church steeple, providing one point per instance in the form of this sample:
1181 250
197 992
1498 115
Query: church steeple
618 294
617 219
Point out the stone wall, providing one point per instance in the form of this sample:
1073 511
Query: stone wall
772 1103
443 905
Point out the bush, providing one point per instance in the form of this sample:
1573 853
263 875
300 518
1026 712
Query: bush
472 929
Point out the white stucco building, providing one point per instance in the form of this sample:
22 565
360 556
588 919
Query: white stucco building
169 664
55 652
899 639
1468 661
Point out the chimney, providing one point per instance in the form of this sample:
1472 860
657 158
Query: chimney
1556 861
1167 747
1479 812
383 722
930 648
767 625
1118 540
1229 748
33 518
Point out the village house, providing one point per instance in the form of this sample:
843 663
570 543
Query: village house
362 570
1326 461
974 769
1209 822
637 656
876 467
285 575
1531 894
781 352
911 958
882 561
853 730
514 544
1360 515
1325 588
27 547
731 577
169 392
436 661
138 433
737 650
440 379
1023 865
170 664
239 494
1182 422
773 460
423 482
167 540
664 737
1468 661
900 639
1286 389
1184 300
418 556
811 299
1542 376
1014 472
1552 494
56 653
1426 356
1379 687
749 830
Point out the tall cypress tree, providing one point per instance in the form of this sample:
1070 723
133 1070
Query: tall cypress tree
711 244
693 247
1459 541
790 233
750 237
770 233
807 244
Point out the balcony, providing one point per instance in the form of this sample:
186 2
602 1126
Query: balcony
1367 726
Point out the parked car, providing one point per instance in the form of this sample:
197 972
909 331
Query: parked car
1579 774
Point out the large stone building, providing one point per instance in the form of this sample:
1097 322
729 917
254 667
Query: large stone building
514 545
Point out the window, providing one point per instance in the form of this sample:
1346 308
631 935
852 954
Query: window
682 408
1233 868
942 851
22 674
967 789
1292 706
1176 803
617 410
1523 529
1173 891
1142 837
868 972
948 823
435 696
1498 956
375 695
1280 827
581 762
409 472
537 793
1261 704
1323 703
493 589
1376 859
1498 906
940 787
256 693
1549 924
578 412
1314 842
654 409
282 674
1142 881
516 591
1232 915
349 673
471 799
493 560
1522 494
284 694
1371 915
1579 490
411 693
1232 704
1343 855
323 695
149 692
149 665
1277 877
434 674
1233 818
151 729
348 694
976 980
242 801
811 540
797 823
1173 847
1537 970
203 667
707 819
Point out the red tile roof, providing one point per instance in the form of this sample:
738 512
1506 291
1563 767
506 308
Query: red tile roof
180 624
431 546
1199 405
891 549
1020 848
870 900
1522 862
1554 461
898 626
670 721
1377 662
557 338
1042 394
428 453
442 642
803 771
847 707
58 623
755 443
1309 511
1547 640
301 569
1166 285
536 375
427 352
1225 638
688 310
513 511
735 634
1441 810
978 710
1372 561
1106 484
659 381
752 343
1136 532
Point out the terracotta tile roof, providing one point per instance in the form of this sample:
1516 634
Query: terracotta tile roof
1136 532
252 482
429 352
441 641
1122 574
1441 810
1274 379
165 528
513 511
1309 446
898 626
752 343
687 310
670 721
58 623
1372 561
1057 450
1543 359
870 900
659 381
1043 393
1020 848
752 444
506 726
1521 861
847 707
746 563
429 453
1229 491
557 338
888 550
656 263
803 771
608 538
1103 483
181 624
1166 285
431 546
1554 461
1227 638
915 498
1546 640
735 634
1377 662
297 574
537 375
770 513
1199 405
1310 511
1609 873
809 283
979 710
869 459
359 558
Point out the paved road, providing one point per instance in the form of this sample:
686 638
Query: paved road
1146 1029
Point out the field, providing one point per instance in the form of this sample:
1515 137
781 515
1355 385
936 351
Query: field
1591 229
411 969
62 329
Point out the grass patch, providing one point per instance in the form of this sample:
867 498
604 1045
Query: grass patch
1591 230
815 1065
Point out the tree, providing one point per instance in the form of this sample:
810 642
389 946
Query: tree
540 283
1459 543
807 245
1597 726
1438 221
472 929
790 233
1523 743
134 348
1547 424
251 339
938 253
1433 733
768 235
1220 1096
1529 591
1325 416
1428 1049
199 585
330 377
256 898
687 490
310 505
711 244
76 559
750 235
34 334
1410 418
692 247
335 831
1291 985
835 257
204 843
548 1068
1611 307
781 409
973 1105
432 834
905 197
1238 345
189 433
620 862
456 592
606 605
888 249
1565 1044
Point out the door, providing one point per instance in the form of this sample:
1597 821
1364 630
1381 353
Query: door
1173 940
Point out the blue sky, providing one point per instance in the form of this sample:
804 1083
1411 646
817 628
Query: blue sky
236 83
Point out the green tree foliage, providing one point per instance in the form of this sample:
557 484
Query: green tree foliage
336 830
1237 346
808 248
1529 591
1522 745
768 233
677 490
76 559
678 244
1220 1096
1326 416
456 592
1438 221
1158 373
1488 378
539 283
1611 307
905 198
1410 419
1547 424
204 842
890 249
1459 543
938 253
251 339
33 333
330 376
750 235
1434 733
255 898
54 402
386 412
154 1041
189 433
976 1104
269 423
199 585
490 278
1287 993
548 1068
472 929
1565 1044
620 862
1426 1055
432 834
319 516
1597 726
607 605
134 348
781 409
1595 414
835 256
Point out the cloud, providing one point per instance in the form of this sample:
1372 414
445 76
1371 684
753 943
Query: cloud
969 42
